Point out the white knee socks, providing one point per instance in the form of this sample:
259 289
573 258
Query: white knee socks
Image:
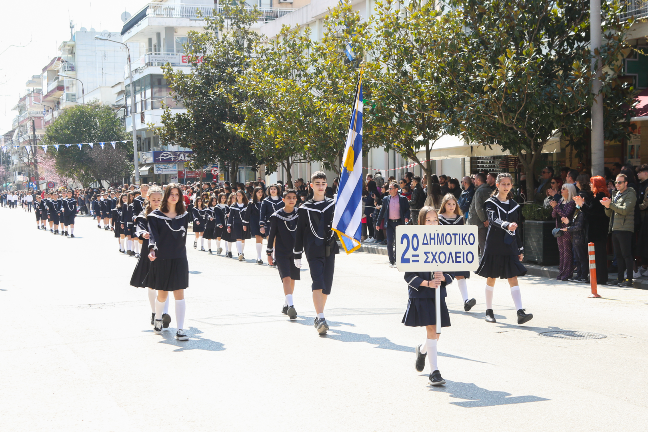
202 242
289 300
227 247
159 308
121 244
71 230
180 309
431 349
209 244
166 305
463 289
217 244
259 246
489 297
239 247
152 295
517 297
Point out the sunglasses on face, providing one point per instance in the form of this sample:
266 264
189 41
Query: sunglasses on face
553 182
619 182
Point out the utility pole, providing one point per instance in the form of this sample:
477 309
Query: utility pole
598 149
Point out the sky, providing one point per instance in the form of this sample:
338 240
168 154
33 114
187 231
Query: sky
37 28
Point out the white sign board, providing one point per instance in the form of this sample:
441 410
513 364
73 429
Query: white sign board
165 169
447 248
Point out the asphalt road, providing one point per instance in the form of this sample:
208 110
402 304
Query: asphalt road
77 352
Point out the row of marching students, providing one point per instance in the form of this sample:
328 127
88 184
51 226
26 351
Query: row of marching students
59 211
128 206
232 219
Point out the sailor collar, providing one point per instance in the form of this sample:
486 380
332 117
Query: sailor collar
498 203
307 205
158 214
288 217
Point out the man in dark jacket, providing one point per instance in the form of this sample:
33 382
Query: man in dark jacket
466 196
477 212
395 211
418 198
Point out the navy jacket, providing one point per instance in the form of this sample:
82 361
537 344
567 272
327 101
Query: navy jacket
384 210
415 279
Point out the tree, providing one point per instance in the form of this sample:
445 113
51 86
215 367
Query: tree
279 110
89 123
411 108
522 71
219 55
334 79
47 168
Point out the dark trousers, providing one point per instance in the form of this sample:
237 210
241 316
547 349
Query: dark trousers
321 270
566 266
370 226
414 216
622 243
581 259
390 228
481 238
600 251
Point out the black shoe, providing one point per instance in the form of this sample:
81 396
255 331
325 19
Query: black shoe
322 327
153 318
99 226
626 284
468 304
420 359
51 230
315 322
157 326
613 282
259 262
137 255
166 320
436 379
210 252
490 317
523 316
71 235
202 249
195 245
284 311
66 234
292 312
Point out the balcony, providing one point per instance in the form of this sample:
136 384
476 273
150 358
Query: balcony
192 12
158 60
68 100
635 8
54 91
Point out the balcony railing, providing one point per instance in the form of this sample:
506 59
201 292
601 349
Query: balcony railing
51 86
193 12
635 8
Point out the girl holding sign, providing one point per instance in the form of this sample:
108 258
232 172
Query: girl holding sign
421 307
451 214
503 251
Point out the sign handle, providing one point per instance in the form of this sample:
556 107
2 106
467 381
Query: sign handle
437 304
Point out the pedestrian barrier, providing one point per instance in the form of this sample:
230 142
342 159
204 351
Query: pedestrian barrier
592 267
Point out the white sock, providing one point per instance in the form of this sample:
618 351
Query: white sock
489 297
159 307
239 247
129 244
227 247
463 289
320 316
166 305
431 345
152 294
202 242
72 230
289 300
121 244
423 348
259 246
180 309
217 244
517 297
209 244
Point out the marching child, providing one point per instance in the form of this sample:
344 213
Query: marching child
269 205
503 251
237 225
120 232
210 221
281 241
104 209
127 223
69 206
421 307
96 209
198 213
315 238
220 214
254 216
451 214
38 208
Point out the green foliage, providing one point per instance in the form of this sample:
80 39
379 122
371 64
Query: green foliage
522 71
220 55
90 123
536 212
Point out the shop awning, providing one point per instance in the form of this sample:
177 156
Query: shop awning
641 110
144 170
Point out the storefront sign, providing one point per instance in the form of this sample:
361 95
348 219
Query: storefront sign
165 169
163 58
191 174
171 156
146 157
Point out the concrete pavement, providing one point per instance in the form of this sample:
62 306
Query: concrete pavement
78 353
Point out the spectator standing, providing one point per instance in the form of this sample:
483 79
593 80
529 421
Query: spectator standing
641 226
545 183
394 211
466 196
620 209
454 188
418 198
477 212
443 183
563 211
553 193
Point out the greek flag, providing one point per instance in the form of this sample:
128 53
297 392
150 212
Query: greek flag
347 220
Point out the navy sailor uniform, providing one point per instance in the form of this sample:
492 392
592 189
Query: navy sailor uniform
254 218
198 216
69 207
138 206
127 219
315 237
168 237
96 208
236 221
140 277
53 211
268 207
458 220
104 208
503 247
421 307
220 215
210 223
283 227
116 221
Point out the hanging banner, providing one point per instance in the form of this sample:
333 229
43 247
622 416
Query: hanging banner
91 145
56 146
68 145
102 145
79 146
114 144
165 169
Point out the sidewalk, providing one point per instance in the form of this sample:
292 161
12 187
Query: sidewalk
550 272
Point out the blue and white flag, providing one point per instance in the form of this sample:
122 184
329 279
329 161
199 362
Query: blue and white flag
347 219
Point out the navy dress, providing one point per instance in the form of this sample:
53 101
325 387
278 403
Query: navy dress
220 216
458 220
168 237
421 307
210 224
198 216
236 221
140 277
254 218
503 247
268 207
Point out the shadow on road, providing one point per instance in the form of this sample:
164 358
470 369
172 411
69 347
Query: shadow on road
195 342
481 397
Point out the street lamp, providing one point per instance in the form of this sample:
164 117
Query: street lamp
132 84
82 89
